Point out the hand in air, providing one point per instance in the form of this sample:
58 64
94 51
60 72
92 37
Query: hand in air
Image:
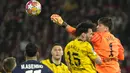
57 19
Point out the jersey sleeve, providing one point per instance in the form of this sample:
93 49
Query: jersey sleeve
71 30
91 53
96 37
121 51
66 69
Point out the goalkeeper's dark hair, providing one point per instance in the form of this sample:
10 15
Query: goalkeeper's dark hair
83 27
31 50
107 21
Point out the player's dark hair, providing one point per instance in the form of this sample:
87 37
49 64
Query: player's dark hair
56 44
31 50
83 27
107 21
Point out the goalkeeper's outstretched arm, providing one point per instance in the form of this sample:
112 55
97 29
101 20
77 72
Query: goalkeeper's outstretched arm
59 21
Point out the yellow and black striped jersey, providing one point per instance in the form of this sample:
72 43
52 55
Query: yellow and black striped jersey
79 56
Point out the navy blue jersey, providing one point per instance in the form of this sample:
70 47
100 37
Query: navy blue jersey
32 66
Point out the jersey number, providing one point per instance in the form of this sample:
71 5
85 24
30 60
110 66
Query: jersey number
74 57
111 50
33 71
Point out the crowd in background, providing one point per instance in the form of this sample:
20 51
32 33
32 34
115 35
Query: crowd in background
18 28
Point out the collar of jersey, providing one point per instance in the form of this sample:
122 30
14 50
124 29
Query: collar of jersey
54 63
79 40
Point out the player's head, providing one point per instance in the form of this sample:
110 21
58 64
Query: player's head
57 51
9 64
84 30
104 24
31 50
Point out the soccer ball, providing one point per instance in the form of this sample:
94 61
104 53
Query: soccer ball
33 7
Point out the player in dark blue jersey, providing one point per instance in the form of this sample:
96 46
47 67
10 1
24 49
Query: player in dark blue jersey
31 65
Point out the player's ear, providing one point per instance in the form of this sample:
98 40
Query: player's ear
62 53
106 29
24 53
52 50
83 35
38 55
3 68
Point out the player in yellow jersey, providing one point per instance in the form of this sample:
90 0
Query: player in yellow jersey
79 54
54 63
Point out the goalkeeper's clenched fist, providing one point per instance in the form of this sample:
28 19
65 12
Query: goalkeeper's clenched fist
57 19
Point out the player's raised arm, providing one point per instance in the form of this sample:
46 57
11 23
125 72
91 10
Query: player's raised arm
59 21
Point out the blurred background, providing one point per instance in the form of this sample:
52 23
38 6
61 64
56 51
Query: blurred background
17 28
